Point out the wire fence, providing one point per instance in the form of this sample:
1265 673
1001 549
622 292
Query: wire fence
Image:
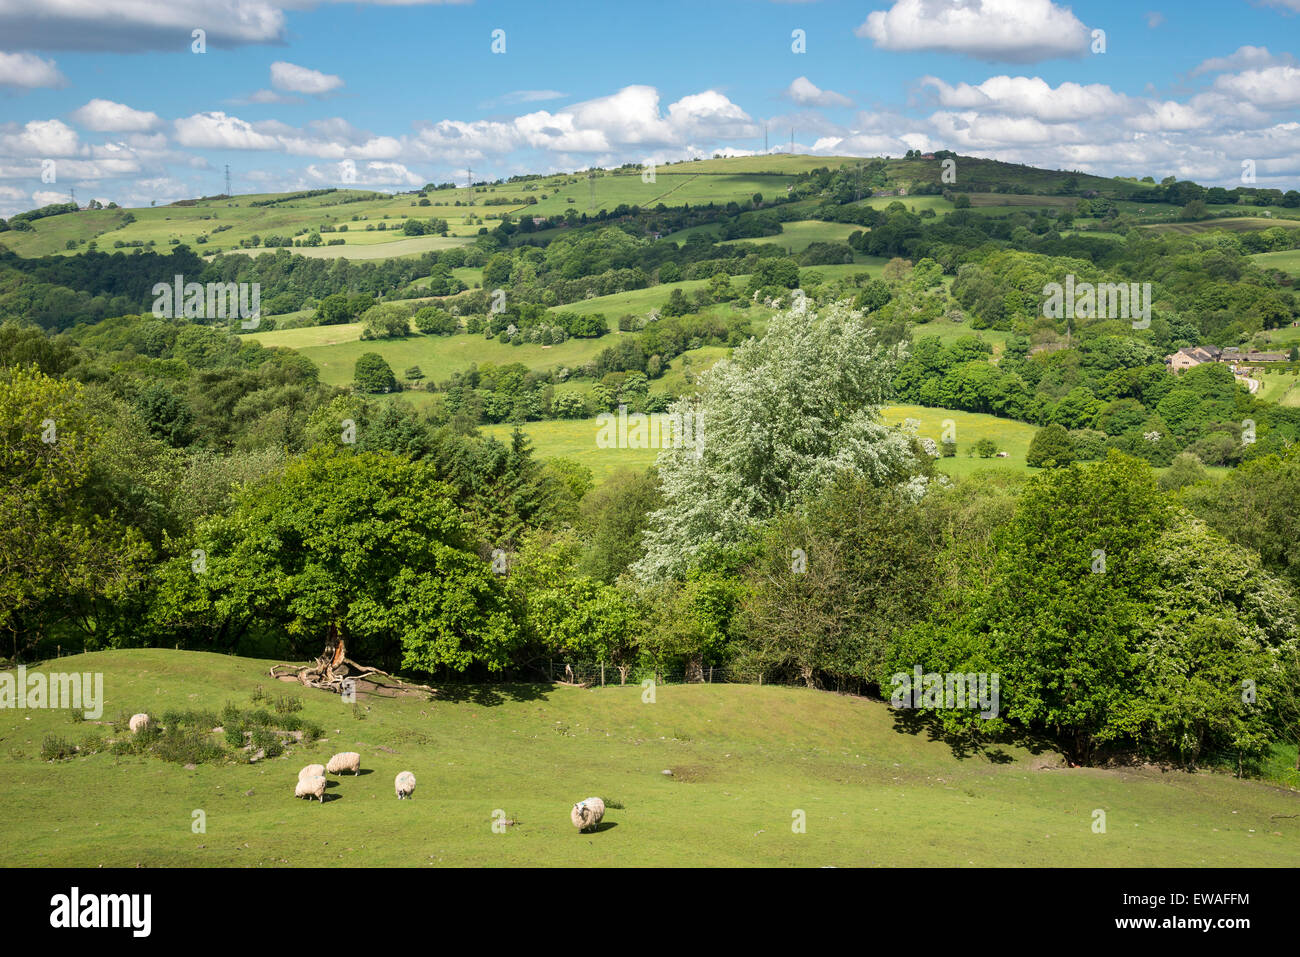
601 674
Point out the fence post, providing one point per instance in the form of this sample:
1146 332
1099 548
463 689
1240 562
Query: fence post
760 679
710 674
551 664
602 674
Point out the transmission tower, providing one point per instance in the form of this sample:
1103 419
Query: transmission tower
591 182
228 193
469 183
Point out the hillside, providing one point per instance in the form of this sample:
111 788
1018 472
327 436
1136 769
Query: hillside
744 759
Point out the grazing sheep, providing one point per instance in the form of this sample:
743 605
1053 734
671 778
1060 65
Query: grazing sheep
587 813
405 784
312 771
313 787
344 761
139 722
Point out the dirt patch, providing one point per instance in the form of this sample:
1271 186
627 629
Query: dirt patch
689 774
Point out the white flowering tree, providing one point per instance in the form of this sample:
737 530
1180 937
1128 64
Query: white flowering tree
777 421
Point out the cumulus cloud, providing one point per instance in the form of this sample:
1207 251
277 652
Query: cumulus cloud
39 138
139 25
1032 96
1271 88
105 116
1245 57
216 130
28 71
804 92
1015 31
300 79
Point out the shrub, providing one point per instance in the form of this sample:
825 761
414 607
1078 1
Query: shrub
54 748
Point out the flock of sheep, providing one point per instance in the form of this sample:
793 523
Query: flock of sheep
311 784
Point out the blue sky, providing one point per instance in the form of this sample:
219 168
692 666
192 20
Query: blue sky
308 93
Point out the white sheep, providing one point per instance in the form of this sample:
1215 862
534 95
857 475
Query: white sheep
313 787
344 761
312 771
404 784
587 813
139 722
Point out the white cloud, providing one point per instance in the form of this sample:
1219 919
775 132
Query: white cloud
216 130
137 25
375 175
804 92
1244 57
1032 96
531 96
43 138
105 116
29 71
1272 88
1017 31
300 79
1154 19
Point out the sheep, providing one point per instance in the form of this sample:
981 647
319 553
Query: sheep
587 813
139 722
312 787
312 771
344 761
404 784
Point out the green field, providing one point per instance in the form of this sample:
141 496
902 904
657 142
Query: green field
576 439
1011 437
1280 387
745 761
1287 260
1235 224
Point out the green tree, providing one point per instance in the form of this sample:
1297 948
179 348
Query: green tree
1050 448
373 374
779 420
368 542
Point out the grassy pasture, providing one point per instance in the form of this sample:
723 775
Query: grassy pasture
1235 224
744 759
1011 437
1287 260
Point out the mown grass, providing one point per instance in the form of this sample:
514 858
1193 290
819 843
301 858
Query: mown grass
745 758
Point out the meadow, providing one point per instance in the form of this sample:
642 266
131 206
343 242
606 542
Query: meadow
747 763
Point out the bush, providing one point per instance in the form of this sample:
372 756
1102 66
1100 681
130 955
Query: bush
373 374
54 748
433 321
268 742
1051 448
187 746
287 704
986 448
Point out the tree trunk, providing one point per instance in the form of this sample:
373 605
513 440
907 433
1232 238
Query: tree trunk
333 667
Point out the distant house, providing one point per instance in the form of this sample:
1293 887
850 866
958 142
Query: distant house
1235 356
927 156
1192 356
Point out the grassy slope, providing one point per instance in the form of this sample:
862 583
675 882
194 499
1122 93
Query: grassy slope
745 759
576 439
